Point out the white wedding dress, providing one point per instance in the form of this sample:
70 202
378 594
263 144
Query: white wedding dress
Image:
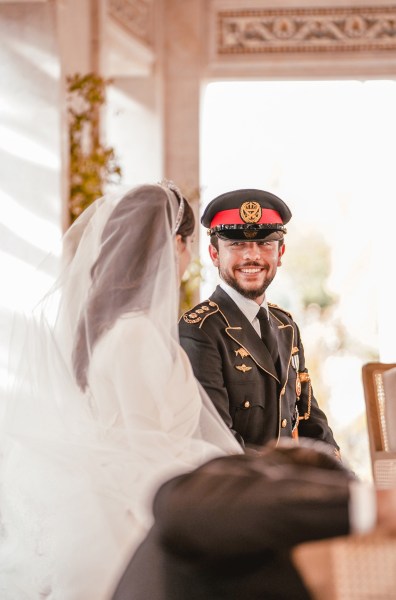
78 469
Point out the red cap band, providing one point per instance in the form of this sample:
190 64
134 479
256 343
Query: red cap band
232 217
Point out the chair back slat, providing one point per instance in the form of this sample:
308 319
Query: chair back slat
380 408
378 395
389 385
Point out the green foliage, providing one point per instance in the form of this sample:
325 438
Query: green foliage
92 165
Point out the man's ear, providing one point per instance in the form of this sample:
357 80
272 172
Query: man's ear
281 253
214 255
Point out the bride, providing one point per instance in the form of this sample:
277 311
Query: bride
104 407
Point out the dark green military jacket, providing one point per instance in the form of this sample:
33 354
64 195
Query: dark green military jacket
235 368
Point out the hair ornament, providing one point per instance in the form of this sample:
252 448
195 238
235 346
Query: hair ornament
166 183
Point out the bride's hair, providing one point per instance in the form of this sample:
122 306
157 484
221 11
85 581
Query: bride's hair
187 225
123 275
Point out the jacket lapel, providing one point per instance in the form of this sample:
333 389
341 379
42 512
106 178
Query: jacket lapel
241 331
285 335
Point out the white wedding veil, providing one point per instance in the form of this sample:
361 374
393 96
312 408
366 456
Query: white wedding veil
103 407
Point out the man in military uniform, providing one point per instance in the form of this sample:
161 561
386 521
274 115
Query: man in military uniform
248 353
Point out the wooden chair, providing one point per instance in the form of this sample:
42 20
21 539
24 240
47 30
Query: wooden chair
349 568
383 458
361 567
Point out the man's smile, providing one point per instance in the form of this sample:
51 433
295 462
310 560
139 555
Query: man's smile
250 270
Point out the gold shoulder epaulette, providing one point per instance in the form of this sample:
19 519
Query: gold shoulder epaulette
200 312
281 309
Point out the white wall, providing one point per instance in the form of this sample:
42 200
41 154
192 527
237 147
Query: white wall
133 128
30 199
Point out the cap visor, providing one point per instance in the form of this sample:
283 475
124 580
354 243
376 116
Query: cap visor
250 235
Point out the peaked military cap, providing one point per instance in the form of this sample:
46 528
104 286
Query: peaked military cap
246 214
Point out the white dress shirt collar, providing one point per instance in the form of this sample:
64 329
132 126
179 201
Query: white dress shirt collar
248 307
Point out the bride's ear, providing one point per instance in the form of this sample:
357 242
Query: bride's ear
179 244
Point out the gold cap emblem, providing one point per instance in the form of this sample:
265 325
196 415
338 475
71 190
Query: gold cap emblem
250 212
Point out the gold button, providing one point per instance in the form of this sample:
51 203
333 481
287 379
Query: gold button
284 423
283 392
246 404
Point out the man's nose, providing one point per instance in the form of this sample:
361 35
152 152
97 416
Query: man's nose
252 251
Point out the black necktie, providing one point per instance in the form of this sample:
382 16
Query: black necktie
267 334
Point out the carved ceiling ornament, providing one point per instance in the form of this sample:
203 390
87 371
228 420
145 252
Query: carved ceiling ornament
136 16
245 31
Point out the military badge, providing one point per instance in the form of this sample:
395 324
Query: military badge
242 352
250 212
243 368
295 359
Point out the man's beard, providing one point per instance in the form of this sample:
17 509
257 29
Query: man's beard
252 294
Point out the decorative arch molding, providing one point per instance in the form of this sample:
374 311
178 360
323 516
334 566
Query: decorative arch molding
260 31
300 39
135 16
